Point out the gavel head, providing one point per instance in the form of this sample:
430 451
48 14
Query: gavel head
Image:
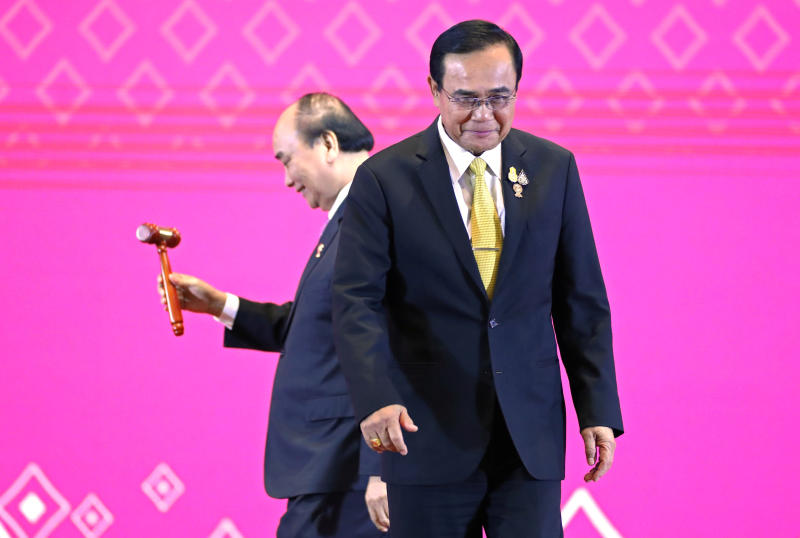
156 235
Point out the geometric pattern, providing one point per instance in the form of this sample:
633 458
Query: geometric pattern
145 111
227 103
679 54
104 10
195 84
352 20
581 499
263 23
612 36
188 47
63 107
24 45
163 487
780 38
32 506
92 517
226 529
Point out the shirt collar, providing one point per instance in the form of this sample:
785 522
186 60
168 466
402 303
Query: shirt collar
462 158
339 199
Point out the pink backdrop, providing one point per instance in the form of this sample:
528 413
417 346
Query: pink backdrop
684 118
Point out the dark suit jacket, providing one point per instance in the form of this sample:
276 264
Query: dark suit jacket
414 326
314 443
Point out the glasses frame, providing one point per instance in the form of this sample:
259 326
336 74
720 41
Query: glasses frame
478 102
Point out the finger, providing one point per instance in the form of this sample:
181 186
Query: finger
373 515
367 435
383 513
406 422
387 442
606 459
371 442
590 448
396 435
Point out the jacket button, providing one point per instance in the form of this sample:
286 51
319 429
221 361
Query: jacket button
493 323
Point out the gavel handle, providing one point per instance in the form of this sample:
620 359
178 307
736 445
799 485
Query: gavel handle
173 305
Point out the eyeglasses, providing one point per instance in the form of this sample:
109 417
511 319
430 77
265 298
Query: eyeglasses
493 102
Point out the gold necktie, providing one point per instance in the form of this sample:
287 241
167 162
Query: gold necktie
484 223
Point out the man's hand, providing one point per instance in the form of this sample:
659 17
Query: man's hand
382 429
194 294
599 443
377 503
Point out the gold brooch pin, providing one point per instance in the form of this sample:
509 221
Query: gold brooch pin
320 247
518 180
512 175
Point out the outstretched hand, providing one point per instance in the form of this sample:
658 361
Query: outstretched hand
194 294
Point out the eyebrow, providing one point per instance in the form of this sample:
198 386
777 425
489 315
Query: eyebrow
467 93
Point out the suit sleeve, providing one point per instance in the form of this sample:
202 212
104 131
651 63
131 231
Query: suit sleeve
260 326
369 461
581 315
359 285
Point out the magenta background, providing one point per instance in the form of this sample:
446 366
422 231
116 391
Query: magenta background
695 210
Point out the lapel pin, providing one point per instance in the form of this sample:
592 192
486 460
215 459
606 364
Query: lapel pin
512 175
320 247
518 180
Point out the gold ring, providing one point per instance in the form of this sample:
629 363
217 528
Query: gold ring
375 442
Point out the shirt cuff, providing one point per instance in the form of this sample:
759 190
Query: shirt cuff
229 311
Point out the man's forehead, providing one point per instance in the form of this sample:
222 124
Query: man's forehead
492 65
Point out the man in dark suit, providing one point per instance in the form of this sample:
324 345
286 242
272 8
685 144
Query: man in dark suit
314 454
465 253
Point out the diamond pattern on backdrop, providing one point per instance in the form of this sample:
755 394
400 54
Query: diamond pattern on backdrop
163 487
24 40
92 517
166 82
32 505
226 529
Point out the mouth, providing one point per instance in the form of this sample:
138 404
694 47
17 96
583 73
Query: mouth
482 133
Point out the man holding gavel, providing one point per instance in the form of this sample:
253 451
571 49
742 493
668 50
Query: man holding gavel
314 454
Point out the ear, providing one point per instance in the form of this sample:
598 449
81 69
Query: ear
433 86
331 145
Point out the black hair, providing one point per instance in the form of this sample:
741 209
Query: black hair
471 36
321 112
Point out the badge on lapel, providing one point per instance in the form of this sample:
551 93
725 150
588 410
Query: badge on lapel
518 181
320 247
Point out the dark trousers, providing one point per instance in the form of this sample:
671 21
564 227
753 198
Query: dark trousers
500 497
330 515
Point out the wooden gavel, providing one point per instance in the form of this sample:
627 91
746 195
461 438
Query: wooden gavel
164 238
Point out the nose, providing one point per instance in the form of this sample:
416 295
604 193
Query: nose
287 179
483 112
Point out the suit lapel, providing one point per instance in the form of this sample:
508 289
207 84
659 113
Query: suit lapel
330 231
512 151
434 175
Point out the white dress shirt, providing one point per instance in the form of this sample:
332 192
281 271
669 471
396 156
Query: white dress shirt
458 160
231 307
